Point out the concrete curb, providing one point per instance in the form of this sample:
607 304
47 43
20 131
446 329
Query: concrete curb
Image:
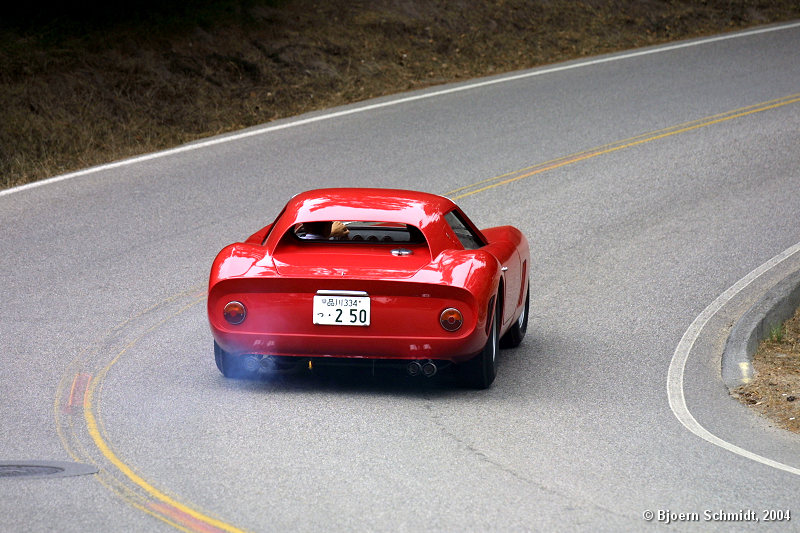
777 305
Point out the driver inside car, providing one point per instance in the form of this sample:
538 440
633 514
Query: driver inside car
323 230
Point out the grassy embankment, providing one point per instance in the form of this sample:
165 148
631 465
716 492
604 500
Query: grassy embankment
83 88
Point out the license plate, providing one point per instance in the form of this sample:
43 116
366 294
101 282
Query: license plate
341 308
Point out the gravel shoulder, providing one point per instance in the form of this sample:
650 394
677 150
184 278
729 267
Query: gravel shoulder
774 391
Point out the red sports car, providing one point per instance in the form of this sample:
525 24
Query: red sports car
371 277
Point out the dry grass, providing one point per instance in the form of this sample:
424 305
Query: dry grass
82 90
775 389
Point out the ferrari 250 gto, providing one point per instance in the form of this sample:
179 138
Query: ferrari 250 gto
370 277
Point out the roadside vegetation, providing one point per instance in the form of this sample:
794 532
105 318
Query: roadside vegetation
775 389
79 87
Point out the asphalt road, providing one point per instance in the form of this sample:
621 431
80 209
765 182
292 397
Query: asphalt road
647 183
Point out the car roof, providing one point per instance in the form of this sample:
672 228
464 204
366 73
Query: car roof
422 210
381 205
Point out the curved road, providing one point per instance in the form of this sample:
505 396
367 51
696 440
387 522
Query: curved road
648 183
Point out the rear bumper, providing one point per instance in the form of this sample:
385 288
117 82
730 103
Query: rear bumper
404 321
406 348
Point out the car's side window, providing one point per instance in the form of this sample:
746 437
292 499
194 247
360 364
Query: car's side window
469 240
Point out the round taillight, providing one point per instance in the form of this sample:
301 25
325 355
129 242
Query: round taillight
234 312
451 319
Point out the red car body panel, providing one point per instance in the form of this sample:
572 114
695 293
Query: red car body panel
276 276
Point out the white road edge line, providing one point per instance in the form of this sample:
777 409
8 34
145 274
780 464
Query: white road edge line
394 102
677 400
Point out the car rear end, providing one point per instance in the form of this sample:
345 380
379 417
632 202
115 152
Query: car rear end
349 301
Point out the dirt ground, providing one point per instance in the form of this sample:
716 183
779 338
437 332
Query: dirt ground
775 389
84 85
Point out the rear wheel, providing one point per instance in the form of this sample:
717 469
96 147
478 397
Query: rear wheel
516 333
480 371
226 363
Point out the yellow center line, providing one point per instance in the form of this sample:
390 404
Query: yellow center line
621 145
94 430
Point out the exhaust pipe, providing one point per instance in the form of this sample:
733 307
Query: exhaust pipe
426 368
414 368
251 363
267 363
429 369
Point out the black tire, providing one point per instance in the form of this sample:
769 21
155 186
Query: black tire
516 333
226 363
480 371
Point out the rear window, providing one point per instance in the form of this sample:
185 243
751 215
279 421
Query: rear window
355 231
